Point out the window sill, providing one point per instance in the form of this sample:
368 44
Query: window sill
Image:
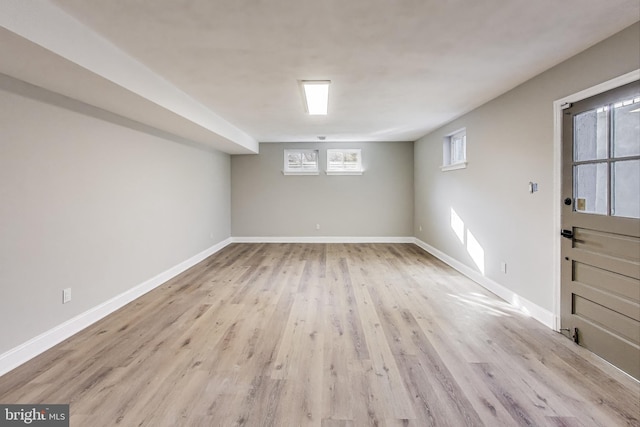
453 167
300 173
344 172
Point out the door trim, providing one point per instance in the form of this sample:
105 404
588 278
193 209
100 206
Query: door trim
557 171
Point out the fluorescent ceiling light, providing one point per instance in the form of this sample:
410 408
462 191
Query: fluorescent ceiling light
316 96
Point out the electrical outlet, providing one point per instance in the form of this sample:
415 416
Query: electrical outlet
317 226
420 228
66 295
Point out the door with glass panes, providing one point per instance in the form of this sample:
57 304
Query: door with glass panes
600 287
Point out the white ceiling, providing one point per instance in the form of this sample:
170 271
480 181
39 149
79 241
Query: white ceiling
399 69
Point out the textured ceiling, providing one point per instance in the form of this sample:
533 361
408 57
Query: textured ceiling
399 69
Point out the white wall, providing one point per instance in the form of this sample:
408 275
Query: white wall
509 143
379 203
93 202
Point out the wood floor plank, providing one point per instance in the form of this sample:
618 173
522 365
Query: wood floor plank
337 396
324 335
352 312
367 403
398 405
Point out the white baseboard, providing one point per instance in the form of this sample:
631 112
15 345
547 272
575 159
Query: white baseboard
542 315
323 239
30 349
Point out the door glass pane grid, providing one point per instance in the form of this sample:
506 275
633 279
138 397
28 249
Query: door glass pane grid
625 166
604 183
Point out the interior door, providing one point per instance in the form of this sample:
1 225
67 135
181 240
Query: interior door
600 286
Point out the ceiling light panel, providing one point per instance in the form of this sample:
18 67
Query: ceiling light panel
316 96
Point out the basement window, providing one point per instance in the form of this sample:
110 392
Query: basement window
344 161
301 162
454 150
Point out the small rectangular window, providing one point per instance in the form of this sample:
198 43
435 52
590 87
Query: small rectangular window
454 151
344 161
301 162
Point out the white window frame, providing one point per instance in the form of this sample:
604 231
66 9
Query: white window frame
334 170
454 150
310 171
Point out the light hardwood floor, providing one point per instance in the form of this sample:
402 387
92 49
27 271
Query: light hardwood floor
326 335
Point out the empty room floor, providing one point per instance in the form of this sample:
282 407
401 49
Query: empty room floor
325 335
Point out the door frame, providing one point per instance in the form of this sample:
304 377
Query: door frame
557 172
